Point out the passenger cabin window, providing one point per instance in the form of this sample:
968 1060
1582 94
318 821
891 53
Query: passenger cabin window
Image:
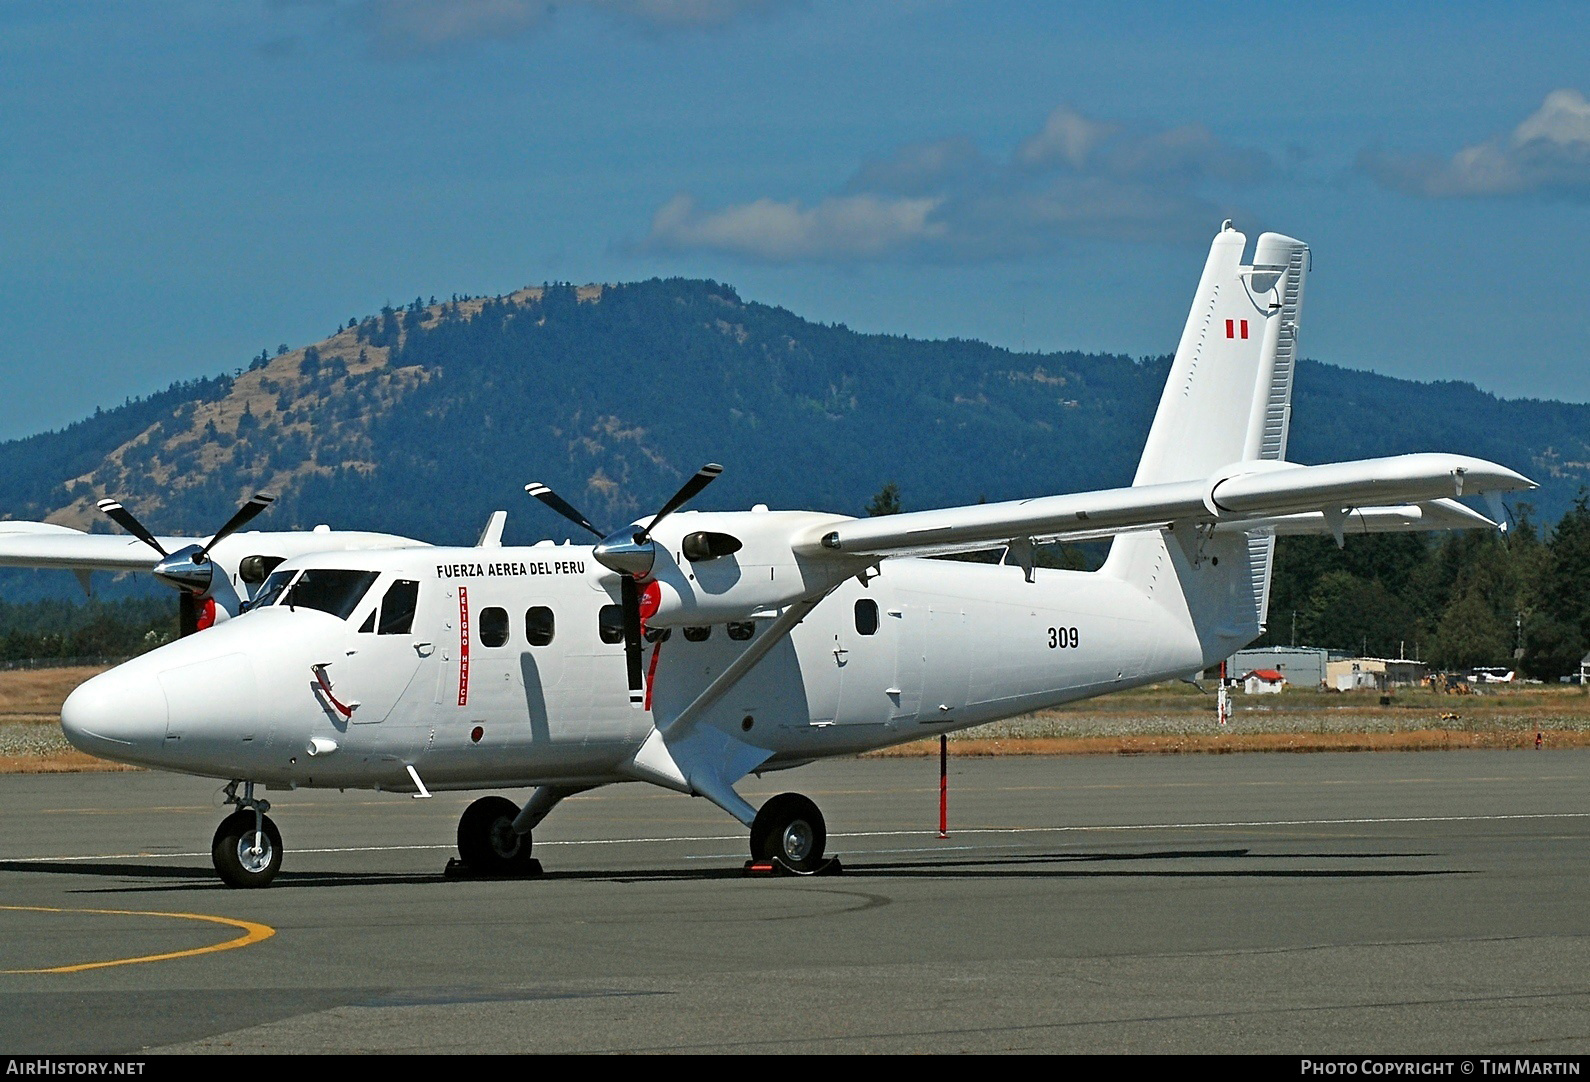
739 631
397 607
330 589
539 626
492 626
610 623
698 634
866 617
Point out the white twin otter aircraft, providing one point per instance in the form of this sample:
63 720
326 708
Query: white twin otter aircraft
701 646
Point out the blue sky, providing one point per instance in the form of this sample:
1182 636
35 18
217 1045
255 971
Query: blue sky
183 184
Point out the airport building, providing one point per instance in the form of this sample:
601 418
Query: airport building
1303 666
1374 673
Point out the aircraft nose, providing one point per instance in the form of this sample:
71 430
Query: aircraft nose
116 718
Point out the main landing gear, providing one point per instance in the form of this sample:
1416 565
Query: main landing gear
788 835
247 848
488 843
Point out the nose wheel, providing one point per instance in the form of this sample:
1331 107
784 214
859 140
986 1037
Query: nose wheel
247 849
790 831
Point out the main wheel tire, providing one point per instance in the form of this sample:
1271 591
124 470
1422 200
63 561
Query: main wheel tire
244 856
486 838
789 827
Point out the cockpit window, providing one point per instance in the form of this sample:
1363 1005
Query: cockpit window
397 607
272 589
329 589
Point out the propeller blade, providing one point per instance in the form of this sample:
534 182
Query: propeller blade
187 614
687 492
245 514
629 595
124 518
561 506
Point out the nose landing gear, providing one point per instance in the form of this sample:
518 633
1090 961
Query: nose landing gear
247 847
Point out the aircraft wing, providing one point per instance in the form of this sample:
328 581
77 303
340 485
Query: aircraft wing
46 545
1292 498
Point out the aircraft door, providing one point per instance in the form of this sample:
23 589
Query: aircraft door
910 623
385 655
864 650
539 671
946 668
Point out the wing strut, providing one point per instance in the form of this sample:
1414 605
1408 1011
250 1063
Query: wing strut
776 633
705 761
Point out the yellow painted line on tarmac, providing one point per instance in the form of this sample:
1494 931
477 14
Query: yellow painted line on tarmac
253 932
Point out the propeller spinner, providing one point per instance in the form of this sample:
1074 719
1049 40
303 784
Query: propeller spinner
190 568
632 553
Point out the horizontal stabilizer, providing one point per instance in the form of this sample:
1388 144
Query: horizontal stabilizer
1405 518
1248 495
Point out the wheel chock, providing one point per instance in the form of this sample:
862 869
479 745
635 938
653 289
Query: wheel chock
773 866
457 869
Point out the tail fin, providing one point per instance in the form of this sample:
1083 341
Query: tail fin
1228 399
1229 395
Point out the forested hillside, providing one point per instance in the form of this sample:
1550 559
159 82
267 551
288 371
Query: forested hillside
422 420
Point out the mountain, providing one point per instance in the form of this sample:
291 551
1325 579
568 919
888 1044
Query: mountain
422 420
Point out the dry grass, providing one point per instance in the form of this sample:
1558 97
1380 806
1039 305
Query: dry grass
1162 719
1227 743
36 693
61 762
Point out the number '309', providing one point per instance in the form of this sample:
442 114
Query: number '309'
1062 638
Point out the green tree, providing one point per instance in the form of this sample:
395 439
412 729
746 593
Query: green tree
886 502
1568 592
1345 612
1470 634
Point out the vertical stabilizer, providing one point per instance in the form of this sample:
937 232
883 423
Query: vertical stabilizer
1228 400
1228 397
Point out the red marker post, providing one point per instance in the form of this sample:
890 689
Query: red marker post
944 785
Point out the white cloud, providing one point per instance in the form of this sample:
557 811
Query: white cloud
427 26
1067 136
419 27
944 199
839 227
1548 154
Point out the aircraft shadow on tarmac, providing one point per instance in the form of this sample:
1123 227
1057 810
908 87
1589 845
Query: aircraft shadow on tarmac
1057 865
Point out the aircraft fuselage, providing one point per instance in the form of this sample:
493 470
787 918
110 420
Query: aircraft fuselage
511 672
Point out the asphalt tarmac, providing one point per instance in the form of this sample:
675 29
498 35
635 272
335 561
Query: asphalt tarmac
1355 903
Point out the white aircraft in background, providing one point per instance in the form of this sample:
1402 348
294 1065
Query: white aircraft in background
243 560
698 647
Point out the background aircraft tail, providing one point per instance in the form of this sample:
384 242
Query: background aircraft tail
1228 399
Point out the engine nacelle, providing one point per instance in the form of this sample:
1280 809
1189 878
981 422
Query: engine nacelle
713 567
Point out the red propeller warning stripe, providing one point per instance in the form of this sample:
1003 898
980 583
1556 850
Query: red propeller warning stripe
632 553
